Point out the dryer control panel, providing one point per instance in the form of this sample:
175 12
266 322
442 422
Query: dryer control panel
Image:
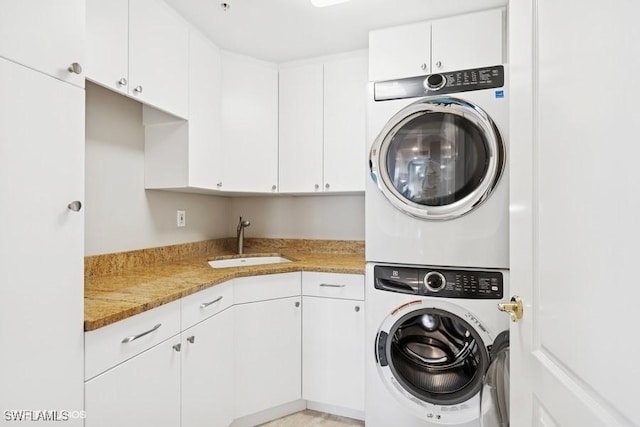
439 282
440 84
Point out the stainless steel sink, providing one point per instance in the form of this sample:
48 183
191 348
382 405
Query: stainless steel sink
246 261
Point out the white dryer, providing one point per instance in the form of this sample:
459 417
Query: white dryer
429 332
438 193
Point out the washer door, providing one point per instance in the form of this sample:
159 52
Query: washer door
434 360
438 158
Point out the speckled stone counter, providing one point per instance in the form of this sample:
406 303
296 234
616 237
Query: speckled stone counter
118 286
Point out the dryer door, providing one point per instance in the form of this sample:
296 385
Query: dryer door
438 158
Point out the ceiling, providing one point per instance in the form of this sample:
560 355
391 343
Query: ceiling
284 30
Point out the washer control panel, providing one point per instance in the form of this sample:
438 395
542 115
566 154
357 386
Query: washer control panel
440 84
439 282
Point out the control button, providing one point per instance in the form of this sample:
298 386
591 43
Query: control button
434 82
494 288
434 281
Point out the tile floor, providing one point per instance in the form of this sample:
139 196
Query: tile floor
313 418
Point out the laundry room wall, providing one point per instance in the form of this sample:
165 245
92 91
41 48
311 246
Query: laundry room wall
301 217
120 215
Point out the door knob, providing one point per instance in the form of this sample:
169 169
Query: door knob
515 308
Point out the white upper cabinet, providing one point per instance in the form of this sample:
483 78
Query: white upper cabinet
249 112
45 35
139 48
467 41
301 128
398 52
108 43
188 155
449 44
322 125
345 94
158 56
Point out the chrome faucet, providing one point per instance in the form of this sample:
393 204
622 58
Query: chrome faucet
240 237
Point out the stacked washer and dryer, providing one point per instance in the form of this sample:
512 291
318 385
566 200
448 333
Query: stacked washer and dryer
437 234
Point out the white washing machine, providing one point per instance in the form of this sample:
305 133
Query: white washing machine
429 332
438 192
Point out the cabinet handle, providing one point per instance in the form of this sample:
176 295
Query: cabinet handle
135 337
177 347
316 186
191 339
357 309
327 186
138 89
273 187
331 285
219 185
75 68
122 82
297 304
423 66
439 64
75 206
207 304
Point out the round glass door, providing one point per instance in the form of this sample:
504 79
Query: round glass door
438 158
436 356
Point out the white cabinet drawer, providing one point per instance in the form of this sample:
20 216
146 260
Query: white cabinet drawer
271 286
333 285
206 303
104 347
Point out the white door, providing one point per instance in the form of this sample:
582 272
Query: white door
574 212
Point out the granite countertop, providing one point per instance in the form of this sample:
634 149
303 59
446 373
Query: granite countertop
113 297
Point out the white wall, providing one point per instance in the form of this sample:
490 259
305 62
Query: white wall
120 214
312 217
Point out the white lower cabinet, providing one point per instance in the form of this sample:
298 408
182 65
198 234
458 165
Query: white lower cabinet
333 340
208 372
143 391
244 347
268 354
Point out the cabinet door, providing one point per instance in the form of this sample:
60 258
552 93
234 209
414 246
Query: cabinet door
143 391
41 243
398 52
467 41
45 35
301 128
249 124
205 145
345 94
268 354
207 372
158 56
108 43
333 352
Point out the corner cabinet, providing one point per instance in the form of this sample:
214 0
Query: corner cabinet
249 110
187 155
438 46
42 191
139 48
322 125
268 319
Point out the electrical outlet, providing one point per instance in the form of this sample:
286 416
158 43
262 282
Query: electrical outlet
181 218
